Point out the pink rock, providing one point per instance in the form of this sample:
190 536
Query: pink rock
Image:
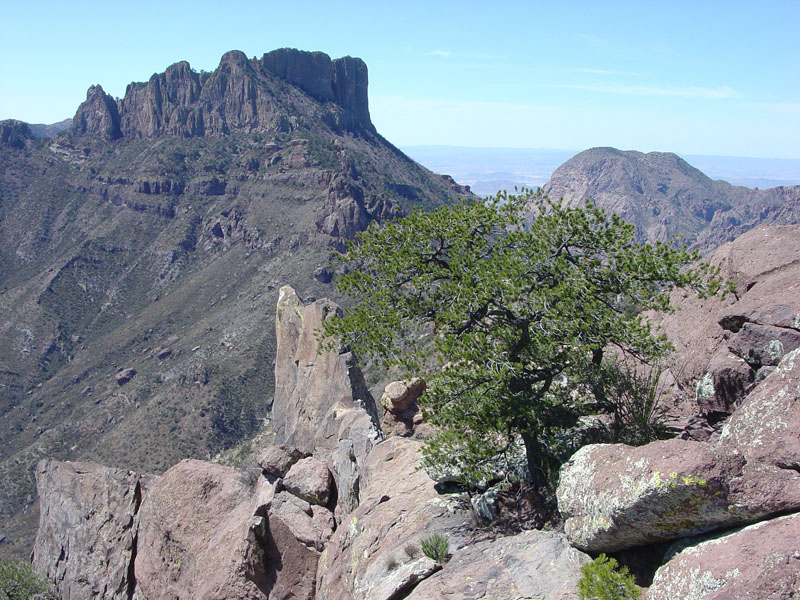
276 460
310 480
614 497
759 562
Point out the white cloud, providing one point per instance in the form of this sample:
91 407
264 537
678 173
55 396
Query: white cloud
443 53
720 93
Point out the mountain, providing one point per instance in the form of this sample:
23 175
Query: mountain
142 249
664 196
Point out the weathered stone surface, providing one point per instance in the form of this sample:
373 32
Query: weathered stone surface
322 405
312 525
614 496
763 345
398 507
202 535
310 480
759 562
763 264
765 427
88 517
532 564
276 460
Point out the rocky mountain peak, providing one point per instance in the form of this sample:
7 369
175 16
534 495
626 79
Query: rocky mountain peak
241 94
664 196
14 133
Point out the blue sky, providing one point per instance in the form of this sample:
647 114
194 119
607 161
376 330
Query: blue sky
690 77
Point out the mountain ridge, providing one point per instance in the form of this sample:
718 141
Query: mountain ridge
666 197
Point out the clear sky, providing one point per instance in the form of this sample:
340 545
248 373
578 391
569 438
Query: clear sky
699 77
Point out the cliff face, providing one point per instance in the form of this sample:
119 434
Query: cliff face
238 96
664 196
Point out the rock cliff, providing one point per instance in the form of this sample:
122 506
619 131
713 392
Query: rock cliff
237 96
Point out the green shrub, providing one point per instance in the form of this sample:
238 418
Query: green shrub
19 582
602 580
435 547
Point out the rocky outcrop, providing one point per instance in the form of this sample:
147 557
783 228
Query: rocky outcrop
13 133
380 540
665 197
532 564
98 116
322 405
758 562
733 341
88 520
238 95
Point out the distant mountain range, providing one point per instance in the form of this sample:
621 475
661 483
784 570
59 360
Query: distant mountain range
487 170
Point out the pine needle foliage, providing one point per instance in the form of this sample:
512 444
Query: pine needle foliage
603 579
518 297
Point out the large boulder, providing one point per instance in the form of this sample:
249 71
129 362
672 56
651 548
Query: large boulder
88 518
532 564
310 480
614 496
758 562
381 538
205 533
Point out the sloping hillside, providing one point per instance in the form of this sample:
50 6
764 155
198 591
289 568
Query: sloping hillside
142 250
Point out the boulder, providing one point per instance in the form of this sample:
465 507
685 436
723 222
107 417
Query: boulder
88 518
399 402
763 345
400 396
310 480
765 427
311 525
276 460
203 534
398 507
532 564
614 497
758 562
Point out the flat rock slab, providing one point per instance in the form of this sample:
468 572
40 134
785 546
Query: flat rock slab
532 564
758 562
614 496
